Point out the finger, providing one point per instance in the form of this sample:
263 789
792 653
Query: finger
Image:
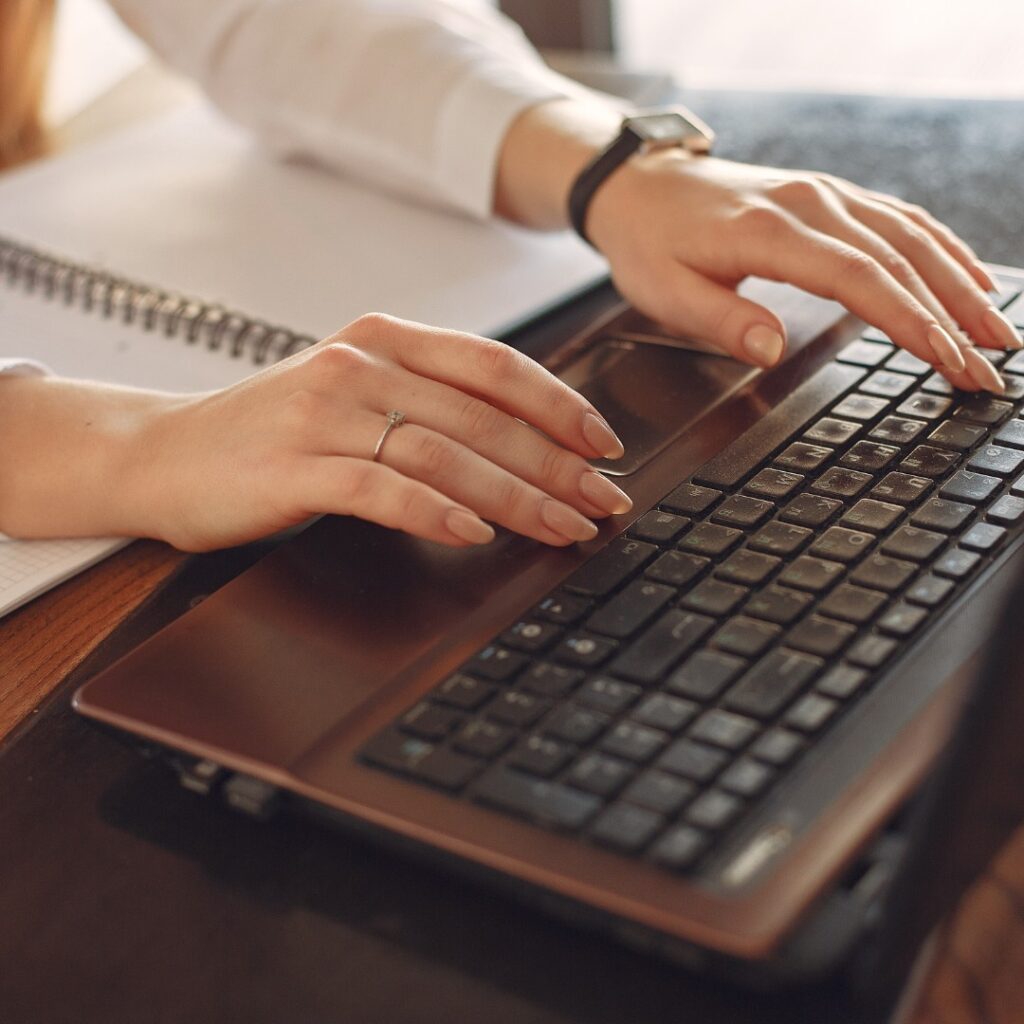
472 481
371 491
507 442
968 303
952 243
498 373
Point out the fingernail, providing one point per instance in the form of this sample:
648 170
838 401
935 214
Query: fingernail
469 527
983 371
601 437
1001 328
946 349
981 269
600 491
763 345
566 521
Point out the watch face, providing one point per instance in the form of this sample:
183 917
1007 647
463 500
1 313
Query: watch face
666 127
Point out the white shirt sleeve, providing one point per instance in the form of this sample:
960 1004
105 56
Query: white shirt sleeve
410 95
22 368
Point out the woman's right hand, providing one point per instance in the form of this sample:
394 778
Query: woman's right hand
489 435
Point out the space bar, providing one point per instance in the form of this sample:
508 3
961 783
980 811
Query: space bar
728 467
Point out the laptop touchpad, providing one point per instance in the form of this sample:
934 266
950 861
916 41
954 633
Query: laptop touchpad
650 393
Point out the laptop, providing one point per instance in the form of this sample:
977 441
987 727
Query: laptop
701 731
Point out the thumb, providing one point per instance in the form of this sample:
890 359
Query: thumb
698 307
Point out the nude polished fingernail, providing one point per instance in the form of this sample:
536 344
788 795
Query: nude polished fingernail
983 371
601 437
763 345
566 521
983 271
600 491
468 527
1001 328
946 350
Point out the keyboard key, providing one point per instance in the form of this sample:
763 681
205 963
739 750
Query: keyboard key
896 430
659 791
713 810
746 777
660 711
902 619
958 436
778 604
808 573
531 636
446 769
1007 510
982 537
924 406
611 567
540 755
690 499
803 457
926 460
740 510
913 542
496 664
600 774
937 384
744 636
983 409
841 482
869 514
870 456
929 590
517 708
396 751
430 721
777 538
905 362
584 651
830 430
549 680
901 488
996 459
633 742
940 514
724 729
713 597
462 691
610 696
842 682
677 568
883 573
887 384
711 540
563 609
705 674
747 567
860 407
810 509
957 564
632 607
575 724
864 353
871 651
627 828
772 683
483 738
964 485
693 760
811 713
680 847
1011 433
657 650
852 603
659 527
547 803
778 747
818 635
839 544
774 483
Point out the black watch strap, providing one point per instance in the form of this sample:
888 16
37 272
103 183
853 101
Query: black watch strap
594 174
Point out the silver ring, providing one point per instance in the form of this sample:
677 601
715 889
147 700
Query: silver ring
395 419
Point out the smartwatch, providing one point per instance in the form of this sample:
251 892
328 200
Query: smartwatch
647 130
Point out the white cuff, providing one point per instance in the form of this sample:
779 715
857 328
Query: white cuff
23 368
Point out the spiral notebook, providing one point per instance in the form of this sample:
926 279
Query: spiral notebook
178 255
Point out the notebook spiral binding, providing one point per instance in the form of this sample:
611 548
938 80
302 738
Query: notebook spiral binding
97 291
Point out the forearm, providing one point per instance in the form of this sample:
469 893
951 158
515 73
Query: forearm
72 460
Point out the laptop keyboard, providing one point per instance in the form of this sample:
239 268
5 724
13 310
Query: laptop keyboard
650 701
